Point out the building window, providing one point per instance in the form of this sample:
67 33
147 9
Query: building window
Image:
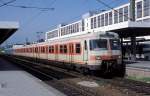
102 20
115 16
121 15
99 21
106 19
70 29
126 13
146 7
77 27
83 25
78 48
92 23
139 9
95 22
53 34
110 18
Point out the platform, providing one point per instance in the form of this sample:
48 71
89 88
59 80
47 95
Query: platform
16 82
139 64
138 69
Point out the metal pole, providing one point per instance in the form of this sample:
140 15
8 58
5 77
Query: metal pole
122 49
133 38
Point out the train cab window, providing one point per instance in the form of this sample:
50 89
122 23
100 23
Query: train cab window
78 48
65 48
115 44
98 44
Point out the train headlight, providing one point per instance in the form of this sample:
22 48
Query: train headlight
98 58
119 56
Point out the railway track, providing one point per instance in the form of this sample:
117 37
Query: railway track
63 80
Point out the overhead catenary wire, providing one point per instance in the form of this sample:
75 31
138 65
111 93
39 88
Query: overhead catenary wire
30 20
30 7
6 3
24 6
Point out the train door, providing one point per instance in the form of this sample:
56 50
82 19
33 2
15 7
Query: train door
85 52
56 52
71 51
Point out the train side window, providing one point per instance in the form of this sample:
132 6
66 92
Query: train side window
85 45
61 49
65 48
49 49
52 49
78 48
43 49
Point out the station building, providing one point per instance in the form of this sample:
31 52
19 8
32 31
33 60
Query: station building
116 20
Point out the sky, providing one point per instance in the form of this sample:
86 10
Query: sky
32 20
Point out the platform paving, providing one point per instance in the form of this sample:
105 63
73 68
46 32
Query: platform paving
16 82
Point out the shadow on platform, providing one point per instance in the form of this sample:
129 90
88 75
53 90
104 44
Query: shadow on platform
7 66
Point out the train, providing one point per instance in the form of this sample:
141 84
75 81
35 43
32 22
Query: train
92 51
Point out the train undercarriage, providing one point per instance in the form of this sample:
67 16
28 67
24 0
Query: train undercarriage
107 68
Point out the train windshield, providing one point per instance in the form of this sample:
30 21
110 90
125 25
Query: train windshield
98 44
115 44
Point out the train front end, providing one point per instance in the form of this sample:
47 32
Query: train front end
105 53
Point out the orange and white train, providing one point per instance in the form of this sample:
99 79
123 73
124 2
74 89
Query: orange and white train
86 52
